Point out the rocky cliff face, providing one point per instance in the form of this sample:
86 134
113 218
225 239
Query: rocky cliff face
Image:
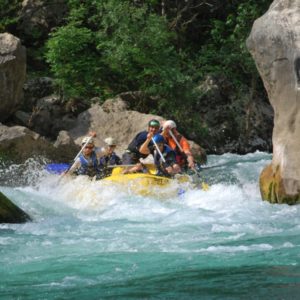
274 43
12 74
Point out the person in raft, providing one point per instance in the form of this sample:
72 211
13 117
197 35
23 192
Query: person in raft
110 158
164 157
88 161
133 154
179 144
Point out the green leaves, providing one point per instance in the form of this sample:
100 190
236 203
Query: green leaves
8 14
71 61
226 53
116 46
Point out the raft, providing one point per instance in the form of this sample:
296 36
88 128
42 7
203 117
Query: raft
147 183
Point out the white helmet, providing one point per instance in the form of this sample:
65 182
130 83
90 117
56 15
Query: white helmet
110 141
88 139
169 124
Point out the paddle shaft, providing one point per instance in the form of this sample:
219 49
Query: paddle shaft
180 148
84 145
178 145
157 148
175 140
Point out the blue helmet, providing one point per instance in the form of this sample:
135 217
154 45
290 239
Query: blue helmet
158 138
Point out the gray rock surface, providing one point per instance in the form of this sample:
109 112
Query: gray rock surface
112 119
12 74
20 143
274 43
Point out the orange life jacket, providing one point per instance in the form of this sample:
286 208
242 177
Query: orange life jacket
181 157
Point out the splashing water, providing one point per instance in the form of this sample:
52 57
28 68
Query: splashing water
91 240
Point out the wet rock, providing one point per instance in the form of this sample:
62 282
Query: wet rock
10 213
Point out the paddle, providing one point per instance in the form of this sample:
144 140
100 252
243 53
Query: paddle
57 168
204 185
63 168
179 147
78 154
159 152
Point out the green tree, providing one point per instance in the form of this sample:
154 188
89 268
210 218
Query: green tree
112 46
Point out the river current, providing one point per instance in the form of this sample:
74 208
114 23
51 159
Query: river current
89 241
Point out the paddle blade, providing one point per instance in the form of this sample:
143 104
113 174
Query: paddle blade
57 168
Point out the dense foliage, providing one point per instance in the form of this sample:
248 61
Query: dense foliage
103 51
163 48
9 14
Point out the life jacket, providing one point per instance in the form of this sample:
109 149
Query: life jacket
109 160
181 158
160 164
135 144
89 167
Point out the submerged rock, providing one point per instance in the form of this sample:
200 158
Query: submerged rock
274 43
10 213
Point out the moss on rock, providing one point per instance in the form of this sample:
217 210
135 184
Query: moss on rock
10 213
272 187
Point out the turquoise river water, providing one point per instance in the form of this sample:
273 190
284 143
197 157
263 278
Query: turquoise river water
89 241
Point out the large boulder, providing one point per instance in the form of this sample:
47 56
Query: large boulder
10 213
12 74
18 143
274 43
111 119
114 119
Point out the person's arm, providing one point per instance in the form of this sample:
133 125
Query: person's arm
170 164
187 151
74 167
144 148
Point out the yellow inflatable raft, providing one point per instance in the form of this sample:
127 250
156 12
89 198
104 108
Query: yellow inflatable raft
146 184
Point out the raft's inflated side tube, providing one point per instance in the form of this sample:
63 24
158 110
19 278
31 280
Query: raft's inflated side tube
57 168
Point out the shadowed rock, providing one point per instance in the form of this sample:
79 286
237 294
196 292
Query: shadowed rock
10 213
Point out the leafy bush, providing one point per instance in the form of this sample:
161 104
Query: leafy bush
104 51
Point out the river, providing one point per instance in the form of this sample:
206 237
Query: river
88 241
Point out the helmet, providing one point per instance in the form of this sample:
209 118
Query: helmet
158 138
88 139
154 123
169 124
110 141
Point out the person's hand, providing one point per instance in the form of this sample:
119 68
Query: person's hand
93 134
150 135
191 162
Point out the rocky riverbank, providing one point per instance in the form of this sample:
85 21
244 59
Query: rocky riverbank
37 121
